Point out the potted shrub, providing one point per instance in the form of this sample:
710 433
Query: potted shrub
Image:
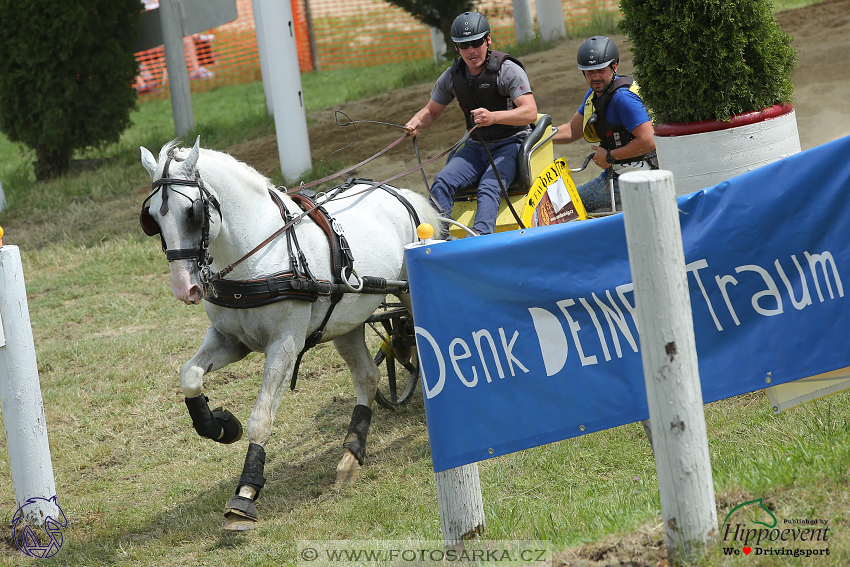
715 76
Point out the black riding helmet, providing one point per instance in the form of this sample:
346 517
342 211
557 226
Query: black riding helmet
596 52
469 26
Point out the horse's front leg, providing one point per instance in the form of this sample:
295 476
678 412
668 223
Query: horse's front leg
240 513
215 352
365 375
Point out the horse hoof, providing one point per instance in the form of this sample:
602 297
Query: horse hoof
231 426
240 515
348 470
237 523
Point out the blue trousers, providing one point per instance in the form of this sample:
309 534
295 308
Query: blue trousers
469 166
596 194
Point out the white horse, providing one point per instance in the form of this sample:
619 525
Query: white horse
233 210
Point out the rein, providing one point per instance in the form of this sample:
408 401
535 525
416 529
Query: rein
501 184
348 169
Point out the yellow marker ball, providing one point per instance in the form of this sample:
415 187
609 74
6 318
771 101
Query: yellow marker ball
425 231
1 232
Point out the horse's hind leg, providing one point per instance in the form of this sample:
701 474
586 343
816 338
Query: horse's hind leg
365 375
215 352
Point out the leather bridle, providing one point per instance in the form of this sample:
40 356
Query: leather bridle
200 212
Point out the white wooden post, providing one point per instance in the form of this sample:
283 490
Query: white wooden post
20 396
264 59
523 20
668 352
461 505
458 489
175 59
2 199
290 117
550 18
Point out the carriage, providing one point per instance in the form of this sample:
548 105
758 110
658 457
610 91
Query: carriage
537 169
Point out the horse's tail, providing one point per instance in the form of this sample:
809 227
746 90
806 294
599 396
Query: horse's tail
424 208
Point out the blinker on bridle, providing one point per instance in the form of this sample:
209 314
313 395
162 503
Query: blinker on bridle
200 210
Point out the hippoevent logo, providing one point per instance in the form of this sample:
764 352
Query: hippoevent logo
39 543
752 529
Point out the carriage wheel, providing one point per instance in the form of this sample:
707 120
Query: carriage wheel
398 355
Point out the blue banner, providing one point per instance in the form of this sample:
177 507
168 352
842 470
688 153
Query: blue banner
529 337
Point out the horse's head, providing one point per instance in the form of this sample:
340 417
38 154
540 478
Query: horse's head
180 209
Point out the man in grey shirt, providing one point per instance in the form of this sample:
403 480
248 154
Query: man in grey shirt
494 93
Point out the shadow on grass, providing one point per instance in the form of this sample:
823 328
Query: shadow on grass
290 486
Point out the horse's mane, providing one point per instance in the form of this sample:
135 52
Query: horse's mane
217 164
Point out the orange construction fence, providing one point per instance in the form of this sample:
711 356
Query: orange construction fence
347 33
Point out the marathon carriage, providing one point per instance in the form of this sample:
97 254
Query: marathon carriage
542 193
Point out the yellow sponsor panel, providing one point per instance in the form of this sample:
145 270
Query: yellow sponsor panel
792 394
552 199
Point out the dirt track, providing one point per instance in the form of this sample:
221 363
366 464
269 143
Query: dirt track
822 37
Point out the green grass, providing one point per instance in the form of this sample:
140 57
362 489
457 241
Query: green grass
141 488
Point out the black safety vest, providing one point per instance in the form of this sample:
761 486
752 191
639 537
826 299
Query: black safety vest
600 131
480 91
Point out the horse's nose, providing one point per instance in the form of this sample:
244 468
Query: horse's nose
195 295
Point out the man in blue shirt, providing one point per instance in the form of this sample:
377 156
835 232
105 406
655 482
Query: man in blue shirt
612 116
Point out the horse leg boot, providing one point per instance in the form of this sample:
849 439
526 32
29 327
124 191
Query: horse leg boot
216 351
219 424
240 513
364 375
349 467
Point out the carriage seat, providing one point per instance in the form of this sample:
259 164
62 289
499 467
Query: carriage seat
535 154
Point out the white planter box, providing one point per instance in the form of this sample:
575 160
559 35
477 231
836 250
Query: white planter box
702 154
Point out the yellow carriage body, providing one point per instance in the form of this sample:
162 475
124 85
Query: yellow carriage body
537 170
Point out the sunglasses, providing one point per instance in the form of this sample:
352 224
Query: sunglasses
467 44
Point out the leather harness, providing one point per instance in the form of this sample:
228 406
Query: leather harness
296 283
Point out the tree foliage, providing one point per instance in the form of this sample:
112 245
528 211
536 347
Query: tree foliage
708 59
66 74
437 14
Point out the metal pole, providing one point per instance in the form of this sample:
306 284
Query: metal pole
523 21
311 36
290 116
264 58
668 352
175 61
550 19
20 395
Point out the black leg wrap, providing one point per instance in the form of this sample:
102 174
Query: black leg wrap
252 472
355 440
219 425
